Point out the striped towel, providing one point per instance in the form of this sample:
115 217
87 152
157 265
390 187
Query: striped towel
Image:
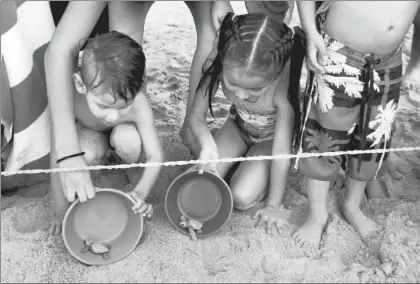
26 29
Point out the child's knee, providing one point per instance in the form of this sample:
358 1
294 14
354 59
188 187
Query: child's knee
127 142
94 144
91 157
243 199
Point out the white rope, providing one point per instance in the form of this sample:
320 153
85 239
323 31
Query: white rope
225 160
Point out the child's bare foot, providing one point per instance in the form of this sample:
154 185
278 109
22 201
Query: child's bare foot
363 225
310 233
57 223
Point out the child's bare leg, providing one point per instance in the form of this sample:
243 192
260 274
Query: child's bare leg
374 190
412 77
250 181
126 140
203 13
388 186
310 233
229 145
351 208
93 143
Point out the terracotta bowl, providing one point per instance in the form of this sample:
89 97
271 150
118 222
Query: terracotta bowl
106 220
205 198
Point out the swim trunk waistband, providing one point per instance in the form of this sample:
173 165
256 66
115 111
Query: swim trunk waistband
357 59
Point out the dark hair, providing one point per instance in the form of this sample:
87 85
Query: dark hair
119 62
258 40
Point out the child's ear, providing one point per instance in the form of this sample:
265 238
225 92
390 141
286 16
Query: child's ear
78 83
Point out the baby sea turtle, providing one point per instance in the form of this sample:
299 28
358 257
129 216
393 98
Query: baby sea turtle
97 248
192 226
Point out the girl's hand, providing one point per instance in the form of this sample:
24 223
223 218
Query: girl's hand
315 52
76 183
270 216
141 207
208 152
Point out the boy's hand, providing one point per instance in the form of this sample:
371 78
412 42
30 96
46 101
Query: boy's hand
270 216
141 207
315 53
76 183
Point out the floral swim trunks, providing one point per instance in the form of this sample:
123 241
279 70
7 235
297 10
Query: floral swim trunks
351 107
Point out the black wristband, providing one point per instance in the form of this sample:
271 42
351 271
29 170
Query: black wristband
70 156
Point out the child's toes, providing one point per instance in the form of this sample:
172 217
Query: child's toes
297 238
51 230
304 244
55 230
309 244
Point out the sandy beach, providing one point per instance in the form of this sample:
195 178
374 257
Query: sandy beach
238 252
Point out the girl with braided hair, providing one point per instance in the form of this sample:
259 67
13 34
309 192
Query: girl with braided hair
258 63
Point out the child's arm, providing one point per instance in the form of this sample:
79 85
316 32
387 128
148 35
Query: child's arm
315 44
282 144
272 214
197 121
219 9
200 106
199 128
143 118
307 16
75 25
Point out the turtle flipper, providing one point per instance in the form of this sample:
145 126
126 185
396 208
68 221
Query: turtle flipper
85 248
192 233
105 255
88 246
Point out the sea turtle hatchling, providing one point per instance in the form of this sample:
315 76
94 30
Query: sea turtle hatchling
191 225
97 248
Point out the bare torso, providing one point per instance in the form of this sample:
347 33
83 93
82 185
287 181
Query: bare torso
371 26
